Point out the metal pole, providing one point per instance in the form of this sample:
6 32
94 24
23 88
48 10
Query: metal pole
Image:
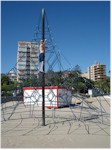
43 23
43 78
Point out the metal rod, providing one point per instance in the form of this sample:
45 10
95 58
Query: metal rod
43 78
43 24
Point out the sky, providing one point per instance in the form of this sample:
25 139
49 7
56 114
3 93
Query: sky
81 30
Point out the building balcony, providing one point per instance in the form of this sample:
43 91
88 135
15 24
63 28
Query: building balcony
34 56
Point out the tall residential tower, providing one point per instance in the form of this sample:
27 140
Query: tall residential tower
27 60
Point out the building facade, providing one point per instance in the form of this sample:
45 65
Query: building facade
12 75
85 75
27 60
97 72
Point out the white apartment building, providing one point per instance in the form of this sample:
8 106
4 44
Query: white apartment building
12 75
96 72
27 60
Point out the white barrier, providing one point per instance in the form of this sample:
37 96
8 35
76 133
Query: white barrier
55 96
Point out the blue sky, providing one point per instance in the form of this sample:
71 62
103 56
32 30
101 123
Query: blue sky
80 29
